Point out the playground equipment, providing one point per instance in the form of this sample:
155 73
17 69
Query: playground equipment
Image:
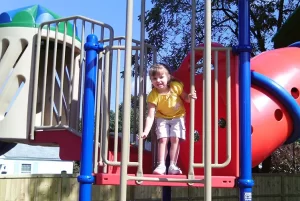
57 87
274 98
25 98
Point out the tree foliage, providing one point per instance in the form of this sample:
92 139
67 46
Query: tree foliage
286 159
168 24
134 117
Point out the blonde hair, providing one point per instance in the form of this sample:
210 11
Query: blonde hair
159 68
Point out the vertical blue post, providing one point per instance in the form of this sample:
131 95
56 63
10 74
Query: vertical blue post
245 182
86 179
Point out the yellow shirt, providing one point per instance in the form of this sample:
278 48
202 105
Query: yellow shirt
168 105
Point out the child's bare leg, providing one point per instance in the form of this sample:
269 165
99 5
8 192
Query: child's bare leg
167 150
174 150
161 168
177 153
162 150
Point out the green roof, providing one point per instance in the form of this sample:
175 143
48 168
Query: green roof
32 16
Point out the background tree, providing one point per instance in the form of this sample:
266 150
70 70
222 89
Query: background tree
168 24
134 120
286 159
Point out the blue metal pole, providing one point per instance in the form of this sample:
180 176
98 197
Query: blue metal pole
245 182
86 179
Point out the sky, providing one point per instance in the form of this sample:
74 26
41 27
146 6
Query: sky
112 12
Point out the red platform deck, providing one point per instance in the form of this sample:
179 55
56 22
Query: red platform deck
165 180
70 147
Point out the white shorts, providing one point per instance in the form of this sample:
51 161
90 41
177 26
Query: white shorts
170 128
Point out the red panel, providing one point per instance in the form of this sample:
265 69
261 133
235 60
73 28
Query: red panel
69 143
183 74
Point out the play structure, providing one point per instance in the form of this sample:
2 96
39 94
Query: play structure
274 101
58 77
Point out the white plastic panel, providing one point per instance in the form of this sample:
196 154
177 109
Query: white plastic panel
15 76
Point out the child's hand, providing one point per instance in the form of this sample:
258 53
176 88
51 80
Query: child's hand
144 135
193 95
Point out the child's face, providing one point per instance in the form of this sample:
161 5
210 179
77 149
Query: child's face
160 80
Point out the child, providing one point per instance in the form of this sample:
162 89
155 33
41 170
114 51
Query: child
166 106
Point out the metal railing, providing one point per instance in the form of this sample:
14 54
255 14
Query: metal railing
224 62
59 70
57 91
116 133
139 81
207 124
225 53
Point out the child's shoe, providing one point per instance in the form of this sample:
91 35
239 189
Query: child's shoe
174 170
160 169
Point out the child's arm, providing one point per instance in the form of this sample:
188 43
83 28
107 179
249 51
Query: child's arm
187 97
149 120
